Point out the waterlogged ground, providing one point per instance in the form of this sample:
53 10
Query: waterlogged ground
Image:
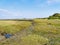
40 32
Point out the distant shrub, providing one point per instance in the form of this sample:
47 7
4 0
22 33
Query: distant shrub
54 16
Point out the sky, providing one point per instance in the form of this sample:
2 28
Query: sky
15 9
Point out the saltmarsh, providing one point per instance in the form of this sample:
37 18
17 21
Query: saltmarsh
44 32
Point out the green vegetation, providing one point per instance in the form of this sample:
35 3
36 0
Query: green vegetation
43 31
34 40
13 26
55 16
49 29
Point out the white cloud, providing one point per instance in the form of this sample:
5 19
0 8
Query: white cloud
53 1
7 12
47 3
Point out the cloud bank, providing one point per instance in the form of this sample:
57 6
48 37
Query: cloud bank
53 1
7 12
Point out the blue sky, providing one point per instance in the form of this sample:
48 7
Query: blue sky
28 8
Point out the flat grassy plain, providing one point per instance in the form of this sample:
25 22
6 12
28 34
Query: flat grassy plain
44 32
13 26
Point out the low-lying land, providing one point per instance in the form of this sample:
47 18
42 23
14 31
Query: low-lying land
43 32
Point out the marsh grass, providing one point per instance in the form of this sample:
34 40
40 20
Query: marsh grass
44 32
